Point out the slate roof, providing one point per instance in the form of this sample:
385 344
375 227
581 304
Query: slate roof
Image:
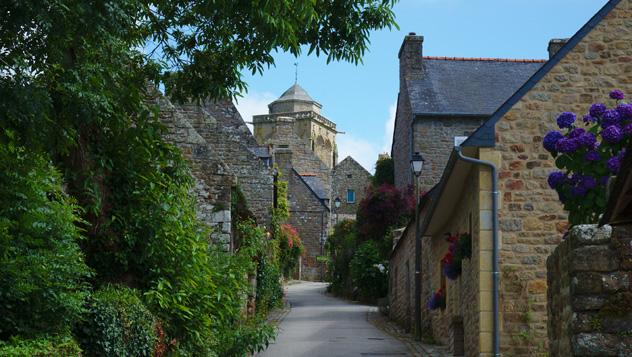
315 185
467 86
295 92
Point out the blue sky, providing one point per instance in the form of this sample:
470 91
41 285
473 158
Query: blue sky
361 99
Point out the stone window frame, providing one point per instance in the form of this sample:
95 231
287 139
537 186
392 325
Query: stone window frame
353 199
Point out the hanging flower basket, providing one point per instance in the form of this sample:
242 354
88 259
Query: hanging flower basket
437 300
460 248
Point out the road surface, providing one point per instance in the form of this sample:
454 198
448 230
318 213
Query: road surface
320 325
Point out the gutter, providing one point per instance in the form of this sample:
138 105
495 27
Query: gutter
495 272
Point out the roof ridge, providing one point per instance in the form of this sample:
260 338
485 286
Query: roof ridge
484 59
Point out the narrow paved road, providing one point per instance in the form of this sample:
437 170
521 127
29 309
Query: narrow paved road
320 325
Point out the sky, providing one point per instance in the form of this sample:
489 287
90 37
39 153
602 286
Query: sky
361 99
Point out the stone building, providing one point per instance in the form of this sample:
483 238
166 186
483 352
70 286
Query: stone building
441 98
223 157
583 70
350 181
302 143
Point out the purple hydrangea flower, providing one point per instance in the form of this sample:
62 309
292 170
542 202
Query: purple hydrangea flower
612 134
556 178
603 180
550 140
597 110
592 156
566 120
617 94
578 191
625 111
610 117
567 145
589 119
587 139
627 130
614 164
575 178
588 182
576 132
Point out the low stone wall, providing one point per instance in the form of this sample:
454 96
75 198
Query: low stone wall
590 295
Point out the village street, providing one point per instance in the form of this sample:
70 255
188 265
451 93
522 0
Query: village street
321 325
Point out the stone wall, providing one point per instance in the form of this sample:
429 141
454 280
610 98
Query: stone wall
308 215
434 139
402 280
532 219
465 295
590 293
349 174
212 182
229 141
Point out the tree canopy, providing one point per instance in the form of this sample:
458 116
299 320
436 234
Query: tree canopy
74 92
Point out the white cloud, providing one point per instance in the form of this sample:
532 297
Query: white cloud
389 128
363 151
254 103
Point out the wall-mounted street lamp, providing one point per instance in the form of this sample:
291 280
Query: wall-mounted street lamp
416 165
337 203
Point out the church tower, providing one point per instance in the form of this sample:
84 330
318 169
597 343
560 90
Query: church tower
295 119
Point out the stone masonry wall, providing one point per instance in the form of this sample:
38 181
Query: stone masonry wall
228 139
590 293
532 219
309 216
463 295
400 150
348 174
402 280
212 179
434 140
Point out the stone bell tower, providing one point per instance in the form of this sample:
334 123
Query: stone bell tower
295 119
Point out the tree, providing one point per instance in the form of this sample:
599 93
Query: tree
384 171
74 79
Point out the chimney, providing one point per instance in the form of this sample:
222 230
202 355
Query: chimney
555 45
410 55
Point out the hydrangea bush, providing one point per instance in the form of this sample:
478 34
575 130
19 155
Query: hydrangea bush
436 301
588 152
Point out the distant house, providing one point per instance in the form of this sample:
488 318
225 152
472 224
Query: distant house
350 181
582 70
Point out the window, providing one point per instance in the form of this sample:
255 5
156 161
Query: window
349 175
350 196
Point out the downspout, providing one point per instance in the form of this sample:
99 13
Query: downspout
495 272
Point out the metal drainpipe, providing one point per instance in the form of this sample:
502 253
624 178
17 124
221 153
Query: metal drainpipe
495 272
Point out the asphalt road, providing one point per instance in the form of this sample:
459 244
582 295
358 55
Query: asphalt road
320 325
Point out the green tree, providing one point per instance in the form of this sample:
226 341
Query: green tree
74 79
384 172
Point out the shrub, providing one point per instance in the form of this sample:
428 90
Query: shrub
246 338
290 249
269 288
368 272
340 246
40 347
117 324
42 272
382 208
588 156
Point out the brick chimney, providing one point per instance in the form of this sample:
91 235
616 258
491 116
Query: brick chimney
555 45
410 55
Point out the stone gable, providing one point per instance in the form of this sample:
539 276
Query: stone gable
349 175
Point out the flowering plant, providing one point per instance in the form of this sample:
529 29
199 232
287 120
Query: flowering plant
436 301
587 156
460 248
290 248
